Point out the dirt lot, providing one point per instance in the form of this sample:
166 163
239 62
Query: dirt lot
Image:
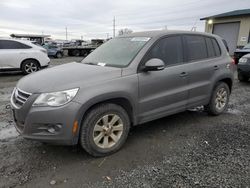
190 149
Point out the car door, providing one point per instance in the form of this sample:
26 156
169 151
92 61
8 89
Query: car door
163 92
201 66
5 55
52 50
12 53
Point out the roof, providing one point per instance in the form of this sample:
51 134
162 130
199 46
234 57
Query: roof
28 42
29 36
242 12
159 33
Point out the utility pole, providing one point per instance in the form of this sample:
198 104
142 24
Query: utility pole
66 33
114 27
107 35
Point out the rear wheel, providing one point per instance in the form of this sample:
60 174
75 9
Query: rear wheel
76 53
219 100
242 78
104 130
30 66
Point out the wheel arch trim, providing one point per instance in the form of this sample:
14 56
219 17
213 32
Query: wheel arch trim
29 59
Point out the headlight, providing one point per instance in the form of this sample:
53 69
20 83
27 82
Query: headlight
243 60
56 98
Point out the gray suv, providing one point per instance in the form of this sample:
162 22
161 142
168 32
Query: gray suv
127 81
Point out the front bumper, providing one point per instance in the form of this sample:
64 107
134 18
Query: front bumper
36 123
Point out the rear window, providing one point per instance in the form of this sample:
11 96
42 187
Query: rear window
213 49
196 47
216 47
210 48
9 44
225 43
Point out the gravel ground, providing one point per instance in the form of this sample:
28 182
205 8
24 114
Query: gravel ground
189 149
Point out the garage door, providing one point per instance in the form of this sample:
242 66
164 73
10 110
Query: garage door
230 32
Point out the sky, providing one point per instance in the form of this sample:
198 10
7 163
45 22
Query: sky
94 18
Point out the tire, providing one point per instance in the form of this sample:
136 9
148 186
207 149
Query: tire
76 53
29 66
84 53
242 78
219 99
59 55
70 53
93 126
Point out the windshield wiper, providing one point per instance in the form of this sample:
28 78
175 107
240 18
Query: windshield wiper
90 63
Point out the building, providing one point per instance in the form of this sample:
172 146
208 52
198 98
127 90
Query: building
38 38
233 26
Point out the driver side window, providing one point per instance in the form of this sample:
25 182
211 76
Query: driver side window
168 49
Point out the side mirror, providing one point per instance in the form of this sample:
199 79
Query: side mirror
154 65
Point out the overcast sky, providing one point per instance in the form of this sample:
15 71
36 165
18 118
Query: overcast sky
93 18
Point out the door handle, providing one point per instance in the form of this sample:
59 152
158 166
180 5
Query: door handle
183 74
216 67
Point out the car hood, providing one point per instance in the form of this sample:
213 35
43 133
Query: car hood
67 76
247 55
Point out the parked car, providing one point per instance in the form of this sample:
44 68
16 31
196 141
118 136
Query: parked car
241 52
54 50
244 68
127 81
22 55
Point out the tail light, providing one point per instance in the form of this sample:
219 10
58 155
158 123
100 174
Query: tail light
233 61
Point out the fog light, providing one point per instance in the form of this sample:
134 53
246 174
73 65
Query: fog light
54 128
51 130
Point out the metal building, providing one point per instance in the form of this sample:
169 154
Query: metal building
233 26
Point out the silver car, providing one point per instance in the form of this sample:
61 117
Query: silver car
127 81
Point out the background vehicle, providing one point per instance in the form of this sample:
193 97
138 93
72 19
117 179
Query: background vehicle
241 52
83 49
22 55
127 81
54 50
244 68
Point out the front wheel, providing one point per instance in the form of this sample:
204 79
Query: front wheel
219 100
104 130
76 53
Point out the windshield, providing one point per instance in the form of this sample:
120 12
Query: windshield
247 46
118 52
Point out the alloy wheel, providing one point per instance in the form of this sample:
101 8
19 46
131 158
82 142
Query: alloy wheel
221 99
108 130
31 67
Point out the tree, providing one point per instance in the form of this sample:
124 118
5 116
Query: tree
124 31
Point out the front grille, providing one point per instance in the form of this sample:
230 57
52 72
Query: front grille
20 97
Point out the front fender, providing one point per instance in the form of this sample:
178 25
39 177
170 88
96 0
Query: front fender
121 88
